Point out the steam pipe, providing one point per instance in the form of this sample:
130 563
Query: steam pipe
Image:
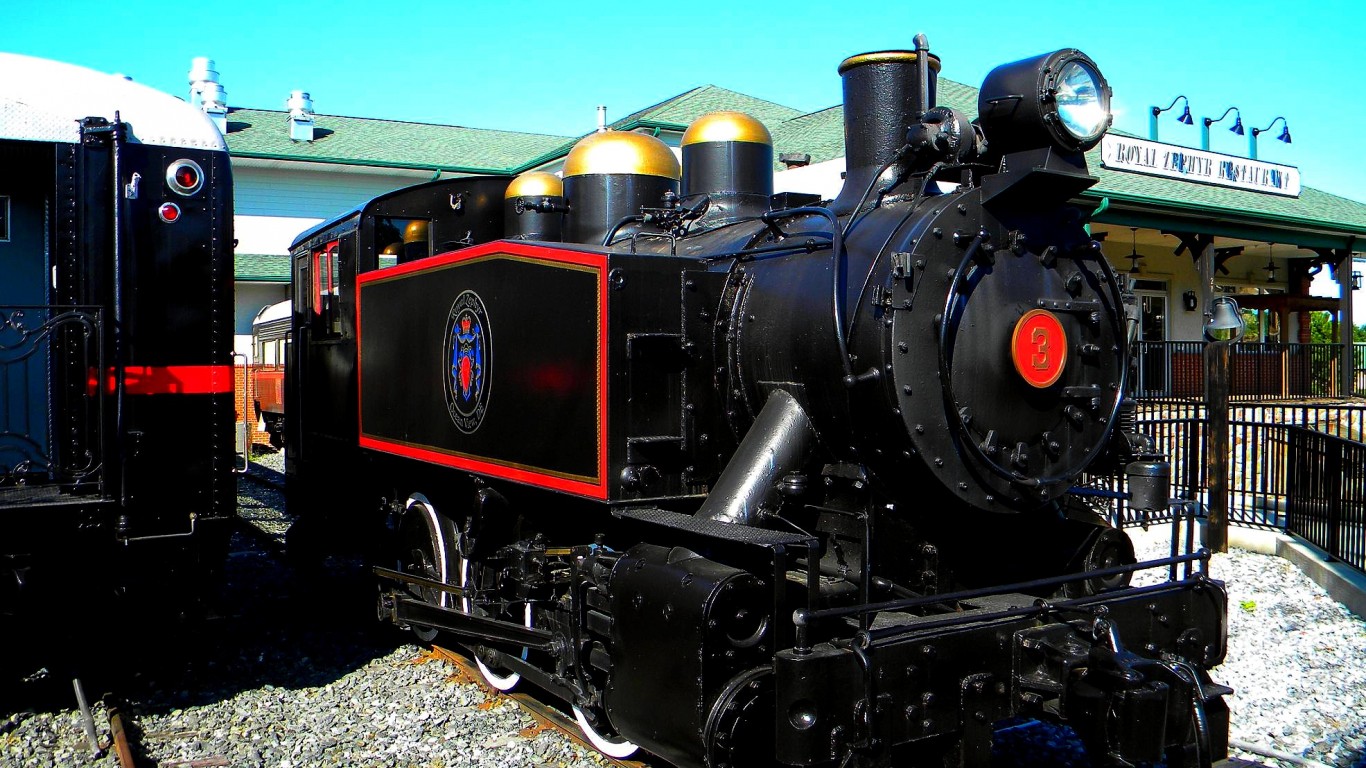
779 441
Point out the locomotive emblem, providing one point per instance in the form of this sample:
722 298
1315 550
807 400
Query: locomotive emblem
468 345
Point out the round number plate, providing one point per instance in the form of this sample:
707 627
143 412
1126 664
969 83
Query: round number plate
1039 348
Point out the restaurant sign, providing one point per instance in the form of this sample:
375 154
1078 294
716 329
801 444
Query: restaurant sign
1126 153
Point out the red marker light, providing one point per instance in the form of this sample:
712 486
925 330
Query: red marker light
184 177
169 212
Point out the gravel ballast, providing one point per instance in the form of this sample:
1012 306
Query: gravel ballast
270 684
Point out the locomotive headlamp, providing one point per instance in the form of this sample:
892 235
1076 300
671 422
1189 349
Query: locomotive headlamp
184 177
1057 98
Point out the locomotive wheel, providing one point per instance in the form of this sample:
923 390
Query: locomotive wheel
739 730
1106 549
608 743
425 540
502 680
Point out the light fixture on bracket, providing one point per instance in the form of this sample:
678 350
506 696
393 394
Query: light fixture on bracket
1154 111
1284 136
1134 257
1206 122
1270 264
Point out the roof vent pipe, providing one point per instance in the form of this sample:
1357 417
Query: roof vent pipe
300 116
602 118
207 93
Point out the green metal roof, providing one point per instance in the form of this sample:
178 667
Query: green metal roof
1259 215
260 268
1314 219
260 133
677 112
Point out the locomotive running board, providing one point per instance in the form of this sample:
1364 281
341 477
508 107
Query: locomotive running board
405 609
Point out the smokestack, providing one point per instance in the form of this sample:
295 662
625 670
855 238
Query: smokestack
300 116
207 93
882 96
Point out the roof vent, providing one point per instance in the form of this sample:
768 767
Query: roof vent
207 93
300 116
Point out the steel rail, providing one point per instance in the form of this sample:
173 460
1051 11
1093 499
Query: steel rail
544 714
119 741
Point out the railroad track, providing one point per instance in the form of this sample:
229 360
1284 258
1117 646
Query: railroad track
120 734
546 716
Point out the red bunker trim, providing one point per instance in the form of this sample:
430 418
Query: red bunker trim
597 487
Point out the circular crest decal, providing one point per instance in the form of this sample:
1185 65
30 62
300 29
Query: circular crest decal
468 344
1038 347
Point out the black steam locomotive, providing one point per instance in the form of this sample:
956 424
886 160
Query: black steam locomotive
753 479
116 375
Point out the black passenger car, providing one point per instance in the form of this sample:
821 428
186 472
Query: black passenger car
116 375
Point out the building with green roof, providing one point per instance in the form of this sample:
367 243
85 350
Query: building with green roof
1176 238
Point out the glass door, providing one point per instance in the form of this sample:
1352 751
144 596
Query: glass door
1154 372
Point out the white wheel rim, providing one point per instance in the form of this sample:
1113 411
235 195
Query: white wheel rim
434 525
500 682
616 749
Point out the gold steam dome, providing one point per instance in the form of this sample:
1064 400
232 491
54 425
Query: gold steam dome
621 152
726 126
415 232
535 184
728 157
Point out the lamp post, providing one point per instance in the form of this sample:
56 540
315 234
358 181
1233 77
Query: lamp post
1252 137
1205 123
1223 327
1153 112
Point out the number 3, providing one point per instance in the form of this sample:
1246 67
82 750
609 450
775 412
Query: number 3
1039 338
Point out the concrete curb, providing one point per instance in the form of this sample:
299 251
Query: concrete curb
1343 583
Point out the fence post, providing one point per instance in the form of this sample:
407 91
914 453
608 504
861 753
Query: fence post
1332 489
1217 363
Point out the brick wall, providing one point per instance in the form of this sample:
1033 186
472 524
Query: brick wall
255 434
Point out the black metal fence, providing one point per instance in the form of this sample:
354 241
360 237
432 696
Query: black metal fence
1300 468
1259 372
1326 490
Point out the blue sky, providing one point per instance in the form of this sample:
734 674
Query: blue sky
545 66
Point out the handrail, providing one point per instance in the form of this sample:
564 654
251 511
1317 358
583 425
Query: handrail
246 409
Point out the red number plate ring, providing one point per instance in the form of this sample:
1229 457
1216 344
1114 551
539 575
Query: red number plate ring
1038 347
